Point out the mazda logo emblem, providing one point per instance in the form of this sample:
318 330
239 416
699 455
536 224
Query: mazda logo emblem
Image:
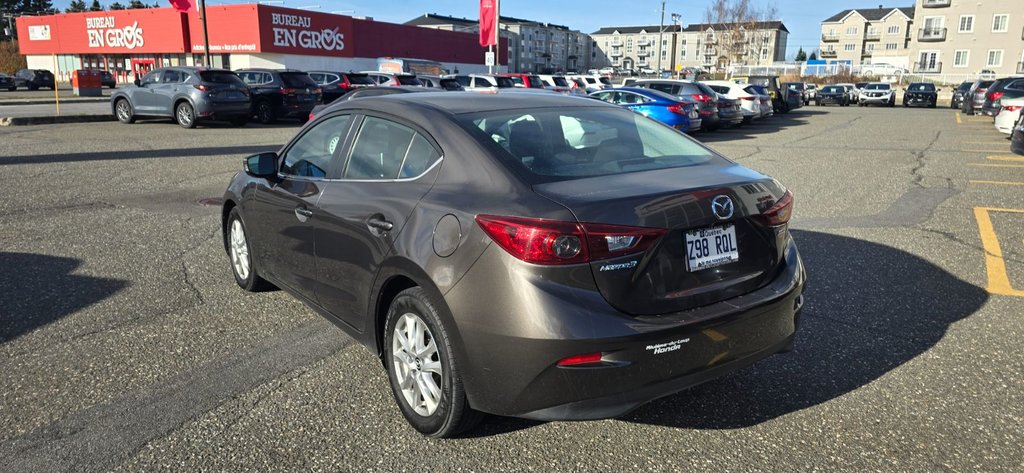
722 207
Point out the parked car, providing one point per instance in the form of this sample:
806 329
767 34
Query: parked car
921 93
975 97
480 81
529 81
1017 137
593 83
811 92
1009 113
34 79
957 100
668 109
707 101
833 94
877 93
7 82
1004 88
606 71
281 93
799 88
767 109
851 91
553 291
336 84
186 94
771 84
392 79
447 82
882 69
750 104
561 85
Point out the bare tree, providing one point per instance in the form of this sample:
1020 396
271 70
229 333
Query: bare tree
736 32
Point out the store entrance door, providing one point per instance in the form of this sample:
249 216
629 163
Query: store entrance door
141 67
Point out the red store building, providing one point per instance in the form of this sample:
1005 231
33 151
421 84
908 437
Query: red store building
131 42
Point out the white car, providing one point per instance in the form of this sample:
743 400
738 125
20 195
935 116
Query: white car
606 71
852 91
878 93
749 103
561 84
767 109
881 69
481 81
595 82
1008 114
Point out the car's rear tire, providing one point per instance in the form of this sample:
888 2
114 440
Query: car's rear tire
243 266
425 377
185 115
123 111
264 112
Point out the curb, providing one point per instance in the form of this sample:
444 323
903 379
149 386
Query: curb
16 102
50 120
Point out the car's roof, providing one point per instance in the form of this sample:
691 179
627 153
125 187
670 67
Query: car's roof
263 69
195 68
457 103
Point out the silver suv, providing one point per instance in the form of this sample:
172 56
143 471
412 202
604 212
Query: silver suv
878 93
187 94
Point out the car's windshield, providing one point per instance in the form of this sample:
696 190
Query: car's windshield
877 87
360 79
505 82
560 81
408 80
553 145
922 87
832 90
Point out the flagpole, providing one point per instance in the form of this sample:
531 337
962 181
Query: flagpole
497 35
206 38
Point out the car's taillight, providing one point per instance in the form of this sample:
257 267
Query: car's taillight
542 241
584 359
676 108
779 213
702 97
288 91
748 98
202 87
311 116
1011 108
993 96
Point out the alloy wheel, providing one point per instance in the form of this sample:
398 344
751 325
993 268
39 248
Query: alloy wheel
185 115
417 364
239 250
124 112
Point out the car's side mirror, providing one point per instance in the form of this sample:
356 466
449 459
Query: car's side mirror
138 83
262 165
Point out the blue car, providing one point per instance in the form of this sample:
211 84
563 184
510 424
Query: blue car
670 110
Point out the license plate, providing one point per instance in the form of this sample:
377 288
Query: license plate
710 247
307 98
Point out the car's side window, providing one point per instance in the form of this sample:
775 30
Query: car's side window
312 153
1017 85
172 76
387 150
317 77
152 78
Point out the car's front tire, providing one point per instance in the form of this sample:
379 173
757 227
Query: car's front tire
185 115
123 111
425 377
240 252
264 112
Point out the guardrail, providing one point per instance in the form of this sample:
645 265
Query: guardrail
829 38
931 34
927 68
827 53
872 36
936 3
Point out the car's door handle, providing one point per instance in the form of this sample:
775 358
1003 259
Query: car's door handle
379 224
303 214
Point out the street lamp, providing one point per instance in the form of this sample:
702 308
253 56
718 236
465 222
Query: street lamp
676 20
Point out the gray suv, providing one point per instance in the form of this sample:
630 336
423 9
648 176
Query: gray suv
187 94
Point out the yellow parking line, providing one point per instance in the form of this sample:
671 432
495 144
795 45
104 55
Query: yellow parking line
998 183
995 266
983 150
1005 158
978 142
987 165
958 118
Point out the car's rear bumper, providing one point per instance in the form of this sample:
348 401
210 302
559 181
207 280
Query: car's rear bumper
222 110
512 342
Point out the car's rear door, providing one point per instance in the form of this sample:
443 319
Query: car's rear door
391 164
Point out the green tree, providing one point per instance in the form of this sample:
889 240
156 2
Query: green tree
813 56
75 6
137 4
95 6
116 6
801 56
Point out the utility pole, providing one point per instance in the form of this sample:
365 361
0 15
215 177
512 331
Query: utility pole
661 32
675 31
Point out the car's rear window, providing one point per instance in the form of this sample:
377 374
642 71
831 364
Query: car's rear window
504 82
360 79
515 79
832 90
535 82
570 143
408 80
877 87
985 84
604 80
921 88
297 79
221 77
560 81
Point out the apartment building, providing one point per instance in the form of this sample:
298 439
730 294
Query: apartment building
533 46
958 36
869 36
702 45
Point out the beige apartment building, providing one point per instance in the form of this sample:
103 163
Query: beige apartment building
968 37
869 36
704 45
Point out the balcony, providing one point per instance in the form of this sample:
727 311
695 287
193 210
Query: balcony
936 3
643 52
643 42
827 54
927 68
829 38
616 53
930 35
616 43
866 53
710 51
710 40
872 36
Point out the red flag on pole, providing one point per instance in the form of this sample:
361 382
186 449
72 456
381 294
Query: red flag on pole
488 22
183 5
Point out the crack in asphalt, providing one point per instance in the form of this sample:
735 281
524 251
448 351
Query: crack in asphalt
99 204
841 126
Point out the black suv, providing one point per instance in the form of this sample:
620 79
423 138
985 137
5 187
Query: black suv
286 93
33 79
336 84
1005 88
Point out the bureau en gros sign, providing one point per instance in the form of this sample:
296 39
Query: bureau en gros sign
104 33
294 31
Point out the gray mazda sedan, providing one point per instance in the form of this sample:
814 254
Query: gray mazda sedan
538 256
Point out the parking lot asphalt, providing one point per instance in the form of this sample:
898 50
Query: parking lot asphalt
126 345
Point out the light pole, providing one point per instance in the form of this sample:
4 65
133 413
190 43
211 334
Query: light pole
675 22
661 31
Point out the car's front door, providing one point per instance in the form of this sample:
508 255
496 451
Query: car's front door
283 213
164 93
391 166
144 96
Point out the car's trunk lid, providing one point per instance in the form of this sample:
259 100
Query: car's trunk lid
680 200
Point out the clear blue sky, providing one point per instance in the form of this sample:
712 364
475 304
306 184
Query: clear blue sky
802 17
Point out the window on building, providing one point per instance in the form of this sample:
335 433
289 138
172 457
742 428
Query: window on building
851 31
892 46
1000 23
894 29
966 24
869 47
995 58
960 57
849 47
764 53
